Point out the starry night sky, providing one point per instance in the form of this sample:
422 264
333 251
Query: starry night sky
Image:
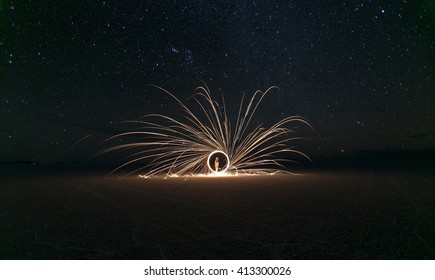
362 72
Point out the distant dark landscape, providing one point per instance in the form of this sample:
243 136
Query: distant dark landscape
347 209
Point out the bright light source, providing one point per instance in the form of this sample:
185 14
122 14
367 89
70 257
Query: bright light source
205 142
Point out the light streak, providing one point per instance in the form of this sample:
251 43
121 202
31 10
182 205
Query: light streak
183 147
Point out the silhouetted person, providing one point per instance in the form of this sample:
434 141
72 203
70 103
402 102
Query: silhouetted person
216 164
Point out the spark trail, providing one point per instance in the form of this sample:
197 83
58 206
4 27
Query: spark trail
190 145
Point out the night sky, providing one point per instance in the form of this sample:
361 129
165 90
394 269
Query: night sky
362 72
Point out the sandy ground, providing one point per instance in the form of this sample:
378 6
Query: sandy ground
368 213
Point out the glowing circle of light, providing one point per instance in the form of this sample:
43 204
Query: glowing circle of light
226 165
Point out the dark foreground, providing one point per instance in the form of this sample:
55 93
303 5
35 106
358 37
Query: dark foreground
377 212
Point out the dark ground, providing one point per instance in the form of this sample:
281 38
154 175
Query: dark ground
377 210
